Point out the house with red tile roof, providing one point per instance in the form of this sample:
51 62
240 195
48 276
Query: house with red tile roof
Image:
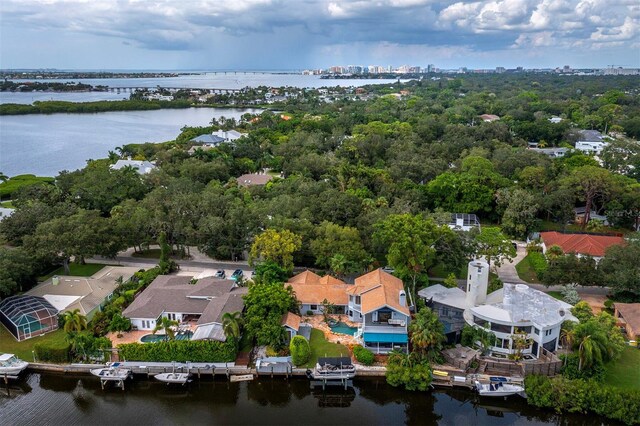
580 244
377 301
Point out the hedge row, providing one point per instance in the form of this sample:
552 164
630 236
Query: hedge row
58 353
180 351
583 396
538 263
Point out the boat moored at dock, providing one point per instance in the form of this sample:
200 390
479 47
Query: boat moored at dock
173 378
11 366
340 368
498 388
112 373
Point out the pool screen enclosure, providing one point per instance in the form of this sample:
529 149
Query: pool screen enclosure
28 316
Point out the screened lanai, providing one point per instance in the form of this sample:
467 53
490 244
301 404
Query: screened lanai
28 316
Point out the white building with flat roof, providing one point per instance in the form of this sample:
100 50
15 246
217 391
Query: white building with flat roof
516 308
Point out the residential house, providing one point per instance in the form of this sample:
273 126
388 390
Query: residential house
228 135
580 212
464 222
378 302
514 308
312 291
628 316
201 304
555 120
208 140
142 167
291 323
554 152
86 294
253 179
580 244
590 142
489 118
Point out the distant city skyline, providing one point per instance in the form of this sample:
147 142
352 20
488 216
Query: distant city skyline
311 34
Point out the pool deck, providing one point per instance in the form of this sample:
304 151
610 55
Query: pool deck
317 321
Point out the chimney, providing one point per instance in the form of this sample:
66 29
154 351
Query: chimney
403 298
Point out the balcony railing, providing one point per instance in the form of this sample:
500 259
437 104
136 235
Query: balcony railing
385 329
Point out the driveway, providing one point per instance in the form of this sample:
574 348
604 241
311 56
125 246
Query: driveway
507 271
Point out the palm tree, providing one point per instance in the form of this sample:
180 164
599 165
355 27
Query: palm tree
338 264
426 333
231 324
167 325
74 321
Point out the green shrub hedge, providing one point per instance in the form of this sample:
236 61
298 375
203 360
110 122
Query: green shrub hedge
538 262
363 355
180 351
52 352
300 350
581 396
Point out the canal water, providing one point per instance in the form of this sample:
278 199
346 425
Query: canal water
47 144
47 399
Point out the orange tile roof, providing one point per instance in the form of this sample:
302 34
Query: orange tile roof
594 245
306 277
291 320
310 288
377 289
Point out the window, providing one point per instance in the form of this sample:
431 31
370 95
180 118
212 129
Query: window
547 332
384 316
523 330
501 328
350 314
479 321
357 300
503 343
445 311
537 331
313 307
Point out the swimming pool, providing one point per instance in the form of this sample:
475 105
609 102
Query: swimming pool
152 338
343 328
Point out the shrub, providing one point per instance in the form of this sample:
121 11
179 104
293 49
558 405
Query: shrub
538 263
300 350
584 396
309 313
52 352
363 355
180 351
403 371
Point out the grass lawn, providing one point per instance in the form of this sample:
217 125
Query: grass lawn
320 348
555 294
439 271
6 204
625 372
9 344
11 185
76 270
526 272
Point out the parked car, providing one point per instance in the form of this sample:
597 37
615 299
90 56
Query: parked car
220 274
388 269
237 274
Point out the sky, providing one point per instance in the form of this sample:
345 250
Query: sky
306 34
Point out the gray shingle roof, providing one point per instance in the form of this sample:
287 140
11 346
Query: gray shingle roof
210 139
169 293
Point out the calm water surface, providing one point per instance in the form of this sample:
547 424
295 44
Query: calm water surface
46 144
67 400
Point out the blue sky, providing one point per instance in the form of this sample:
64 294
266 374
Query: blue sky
299 34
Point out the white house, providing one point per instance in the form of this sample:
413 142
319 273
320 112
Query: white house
142 167
514 308
228 135
590 142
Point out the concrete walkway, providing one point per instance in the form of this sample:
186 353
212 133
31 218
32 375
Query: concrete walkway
507 271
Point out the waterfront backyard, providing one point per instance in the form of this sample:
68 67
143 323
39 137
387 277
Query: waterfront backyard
23 350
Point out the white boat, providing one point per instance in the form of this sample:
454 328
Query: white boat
112 372
178 378
498 389
11 365
333 369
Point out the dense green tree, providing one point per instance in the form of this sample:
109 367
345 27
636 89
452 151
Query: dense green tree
408 371
332 240
74 321
276 246
81 235
620 268
300 350
232 324
17 271
520 211
265 304
494 246
426 333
